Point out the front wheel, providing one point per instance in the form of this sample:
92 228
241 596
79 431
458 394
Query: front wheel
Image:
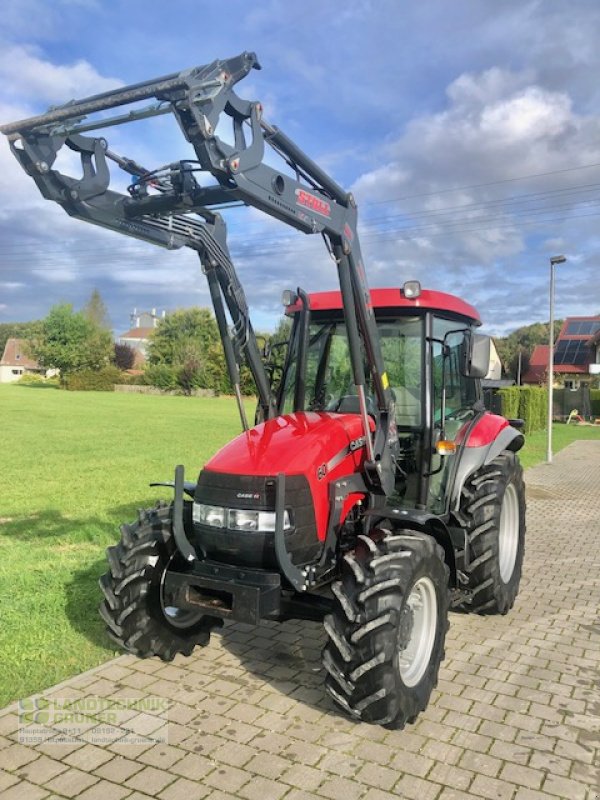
387 631
492 511
140 615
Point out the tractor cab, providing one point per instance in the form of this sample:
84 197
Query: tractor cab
428 345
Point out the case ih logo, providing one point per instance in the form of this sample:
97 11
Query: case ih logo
315 204
248 496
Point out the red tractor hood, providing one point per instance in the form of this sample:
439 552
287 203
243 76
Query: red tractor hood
293 443
323 446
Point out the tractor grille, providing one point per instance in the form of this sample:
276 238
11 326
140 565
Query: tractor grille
255 492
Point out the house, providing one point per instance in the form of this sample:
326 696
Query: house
138 336
576 354
15 362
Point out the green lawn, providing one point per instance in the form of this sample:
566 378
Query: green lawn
534 450
73 466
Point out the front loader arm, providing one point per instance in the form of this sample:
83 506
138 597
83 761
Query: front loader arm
169 207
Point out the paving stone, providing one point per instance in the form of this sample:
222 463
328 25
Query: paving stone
16 755
522 776
119 769
105 791
7 779
88 757
192 766
492 789
262 789
563 787
304 777
161 756
227 778
411 788
25 791
184 789
71 783
150 780
41 770
342 789
449 775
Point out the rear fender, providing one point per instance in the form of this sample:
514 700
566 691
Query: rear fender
407 521
475 455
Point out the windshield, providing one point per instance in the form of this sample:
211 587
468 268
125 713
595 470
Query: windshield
329 381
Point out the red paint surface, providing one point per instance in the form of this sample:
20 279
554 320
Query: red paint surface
393 298
484 432
297 444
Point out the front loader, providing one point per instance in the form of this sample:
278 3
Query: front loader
374 491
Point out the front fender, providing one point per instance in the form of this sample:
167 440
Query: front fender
484 441
407 520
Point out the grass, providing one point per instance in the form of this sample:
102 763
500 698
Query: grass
73 466
534 450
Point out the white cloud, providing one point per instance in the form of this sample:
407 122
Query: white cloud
27 74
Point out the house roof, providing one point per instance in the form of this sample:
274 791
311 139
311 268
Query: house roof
137 333
15 355
572 350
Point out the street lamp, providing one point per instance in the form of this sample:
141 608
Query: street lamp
553 262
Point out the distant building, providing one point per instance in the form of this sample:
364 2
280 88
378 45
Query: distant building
138 336
15 362
576 354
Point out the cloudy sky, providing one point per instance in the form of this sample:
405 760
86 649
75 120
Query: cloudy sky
469 132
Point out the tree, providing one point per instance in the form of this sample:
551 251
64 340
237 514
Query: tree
69 341
124 356
95 310
17 330
188 340
523 339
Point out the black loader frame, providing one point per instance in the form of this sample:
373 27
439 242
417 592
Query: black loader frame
184 214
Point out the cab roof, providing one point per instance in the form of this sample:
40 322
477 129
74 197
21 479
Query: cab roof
428 300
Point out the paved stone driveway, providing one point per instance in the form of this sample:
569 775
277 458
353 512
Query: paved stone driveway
516 715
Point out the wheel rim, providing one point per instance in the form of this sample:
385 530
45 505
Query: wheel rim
414 659
175 616
508 535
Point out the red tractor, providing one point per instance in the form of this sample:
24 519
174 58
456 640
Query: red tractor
375 492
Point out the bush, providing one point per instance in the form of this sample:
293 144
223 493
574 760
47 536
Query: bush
528 403
595 402
124 356
160 375
90 380
510 397
31 379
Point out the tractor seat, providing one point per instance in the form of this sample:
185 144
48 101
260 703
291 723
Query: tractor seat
408 406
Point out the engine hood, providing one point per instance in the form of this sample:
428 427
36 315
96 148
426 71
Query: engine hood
293 444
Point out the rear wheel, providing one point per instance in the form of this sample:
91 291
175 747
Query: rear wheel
492 510
140 615
387 631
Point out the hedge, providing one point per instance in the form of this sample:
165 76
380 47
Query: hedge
510 401
90 380
529 403
595 402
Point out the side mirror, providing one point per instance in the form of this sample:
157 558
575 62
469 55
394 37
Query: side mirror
475 355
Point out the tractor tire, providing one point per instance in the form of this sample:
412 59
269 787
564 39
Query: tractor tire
492 510
138 616
388 627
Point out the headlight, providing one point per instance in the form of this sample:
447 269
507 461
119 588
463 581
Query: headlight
242 520
214 516
238 519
